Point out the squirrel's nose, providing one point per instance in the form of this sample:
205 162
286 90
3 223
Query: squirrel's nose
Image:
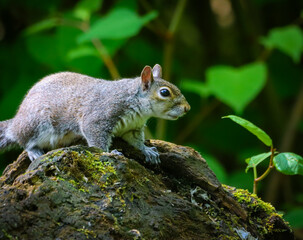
186 108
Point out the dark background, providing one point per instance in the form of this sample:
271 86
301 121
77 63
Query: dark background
188 38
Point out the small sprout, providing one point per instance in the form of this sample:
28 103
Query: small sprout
286 163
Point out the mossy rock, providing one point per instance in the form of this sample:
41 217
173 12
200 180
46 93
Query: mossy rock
82 193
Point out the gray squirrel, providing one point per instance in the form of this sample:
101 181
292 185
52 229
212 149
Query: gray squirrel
65 107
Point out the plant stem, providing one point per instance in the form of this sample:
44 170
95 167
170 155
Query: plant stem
106 58
168 56
177 16
270 166
255 188
157 26
169 46
255 177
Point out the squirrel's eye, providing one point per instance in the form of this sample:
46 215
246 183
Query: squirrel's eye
164 92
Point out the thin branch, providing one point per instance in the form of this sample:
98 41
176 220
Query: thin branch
158 26
177 16
106 58
169 46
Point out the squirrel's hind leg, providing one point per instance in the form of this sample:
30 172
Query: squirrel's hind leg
34 153
96 136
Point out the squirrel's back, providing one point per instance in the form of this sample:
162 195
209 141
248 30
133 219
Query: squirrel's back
69 85
56 105
67 92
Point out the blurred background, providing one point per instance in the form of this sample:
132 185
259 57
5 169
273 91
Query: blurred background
227 56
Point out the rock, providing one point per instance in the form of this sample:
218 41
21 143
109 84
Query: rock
81 193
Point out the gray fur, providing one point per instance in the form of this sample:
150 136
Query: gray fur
4 141
65 107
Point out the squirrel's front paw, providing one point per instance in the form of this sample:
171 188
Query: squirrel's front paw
151 155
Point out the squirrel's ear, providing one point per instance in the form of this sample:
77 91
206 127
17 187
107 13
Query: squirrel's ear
157 71
146 77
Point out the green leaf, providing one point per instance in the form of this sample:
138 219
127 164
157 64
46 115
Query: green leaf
81 51
289 163
288 40
67 46
255 160
88 50
42 26
39 47
252 128
236 87
119 23
196 87
85 8
65 38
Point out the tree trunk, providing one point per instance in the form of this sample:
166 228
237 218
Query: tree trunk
81 193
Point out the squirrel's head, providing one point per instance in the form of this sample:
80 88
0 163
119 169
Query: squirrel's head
166 100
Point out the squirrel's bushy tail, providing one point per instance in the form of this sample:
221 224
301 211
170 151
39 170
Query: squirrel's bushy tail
5 142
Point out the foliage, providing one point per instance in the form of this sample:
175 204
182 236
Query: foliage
236 87
287 163
119 23
263 137
287 39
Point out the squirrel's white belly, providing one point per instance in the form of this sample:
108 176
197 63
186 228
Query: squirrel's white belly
50 139
129 122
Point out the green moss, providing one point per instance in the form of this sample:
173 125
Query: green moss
52 156
36 180
73 182
86 166
83 190
224 237
260 212
120 196
88 233
10 237
60 178
82 168
253 201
